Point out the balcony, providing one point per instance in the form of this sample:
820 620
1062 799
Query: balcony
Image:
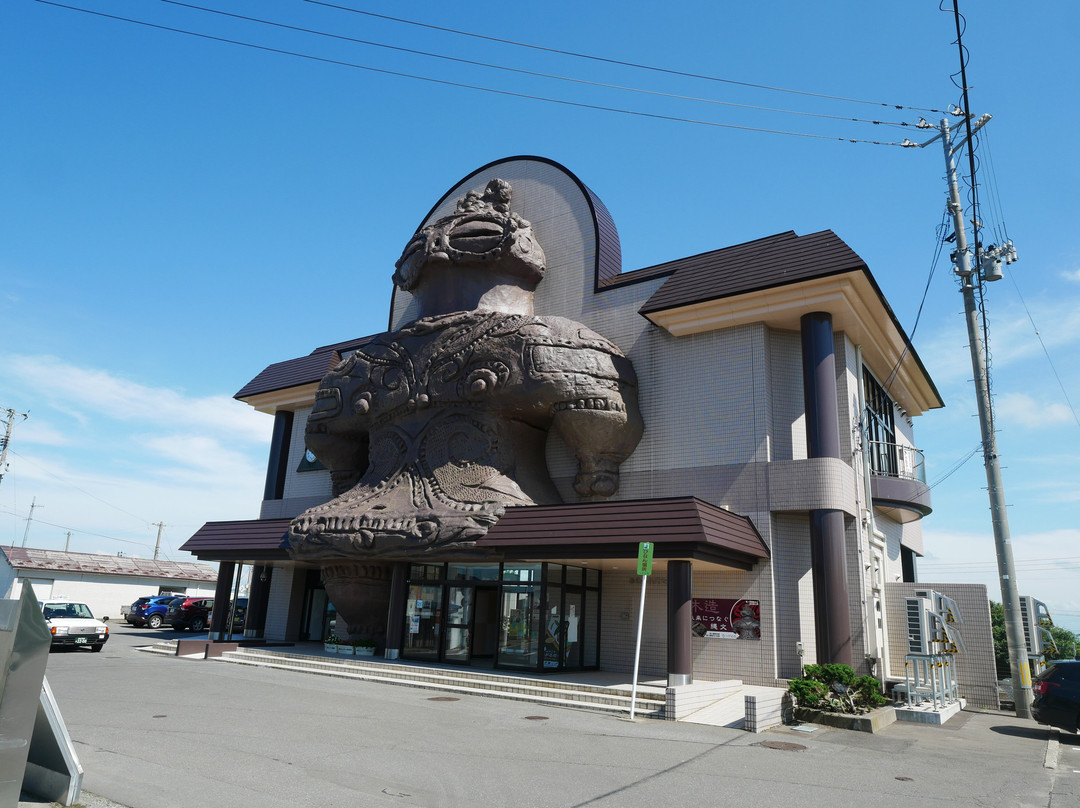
898 480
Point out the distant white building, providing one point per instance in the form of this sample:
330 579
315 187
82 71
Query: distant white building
107 584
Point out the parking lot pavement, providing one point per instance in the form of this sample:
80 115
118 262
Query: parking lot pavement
156 731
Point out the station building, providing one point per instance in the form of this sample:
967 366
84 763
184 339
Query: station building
777 474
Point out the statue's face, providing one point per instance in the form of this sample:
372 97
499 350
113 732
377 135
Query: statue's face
482 232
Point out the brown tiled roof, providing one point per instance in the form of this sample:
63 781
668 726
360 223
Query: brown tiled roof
762 264
34 559
682 527
251 539
304 370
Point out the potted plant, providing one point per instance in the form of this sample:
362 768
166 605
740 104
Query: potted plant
364 647
330 644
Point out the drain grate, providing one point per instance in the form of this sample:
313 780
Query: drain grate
444 698
785 746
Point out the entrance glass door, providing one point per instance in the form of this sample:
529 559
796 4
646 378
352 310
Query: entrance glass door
459 624
519 626
423 618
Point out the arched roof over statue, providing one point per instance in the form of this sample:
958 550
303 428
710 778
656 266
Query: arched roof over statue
570 222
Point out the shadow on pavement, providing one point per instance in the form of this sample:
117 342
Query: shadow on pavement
1035 733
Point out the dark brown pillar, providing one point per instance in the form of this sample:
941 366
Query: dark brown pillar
395 625
277 465
827 546
222 593
680 658
258 600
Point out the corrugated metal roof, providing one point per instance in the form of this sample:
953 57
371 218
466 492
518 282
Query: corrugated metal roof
303 370
762 264
32 559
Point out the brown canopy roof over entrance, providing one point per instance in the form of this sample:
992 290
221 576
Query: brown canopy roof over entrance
681 527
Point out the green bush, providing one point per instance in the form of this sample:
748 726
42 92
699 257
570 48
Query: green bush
837 689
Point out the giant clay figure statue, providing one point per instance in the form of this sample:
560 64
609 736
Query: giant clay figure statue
432 430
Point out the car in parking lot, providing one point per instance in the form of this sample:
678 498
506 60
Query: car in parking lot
1057 695
149 611
196 613
73 625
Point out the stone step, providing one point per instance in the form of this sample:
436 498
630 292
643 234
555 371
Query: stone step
650 706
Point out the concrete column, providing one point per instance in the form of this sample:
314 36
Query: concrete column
827 545
258 600
395 624
680 658
278 464
222 595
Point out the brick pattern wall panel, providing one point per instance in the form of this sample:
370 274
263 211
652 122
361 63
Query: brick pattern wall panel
794 585
277 610
303 483
788 408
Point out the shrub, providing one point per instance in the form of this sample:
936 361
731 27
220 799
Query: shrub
837 689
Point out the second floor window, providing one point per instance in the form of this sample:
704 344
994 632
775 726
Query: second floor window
880 424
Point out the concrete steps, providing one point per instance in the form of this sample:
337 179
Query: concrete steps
650 702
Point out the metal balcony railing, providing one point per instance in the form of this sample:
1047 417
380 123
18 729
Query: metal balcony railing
894 460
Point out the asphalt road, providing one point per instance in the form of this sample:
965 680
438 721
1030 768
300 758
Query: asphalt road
156 732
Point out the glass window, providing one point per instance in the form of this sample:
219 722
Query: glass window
553 627
519 631
423 621
592 578
880 426
426 572
572 629
554 573
473 572
574 576
459 617
522 572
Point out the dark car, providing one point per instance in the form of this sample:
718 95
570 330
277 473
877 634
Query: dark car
190 613
1057 695
149 611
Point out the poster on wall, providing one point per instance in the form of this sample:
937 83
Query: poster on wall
726 619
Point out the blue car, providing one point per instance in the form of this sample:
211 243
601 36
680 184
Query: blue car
150 611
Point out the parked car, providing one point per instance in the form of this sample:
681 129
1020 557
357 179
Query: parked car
73 625
1057 695
196 614
149 611
189 613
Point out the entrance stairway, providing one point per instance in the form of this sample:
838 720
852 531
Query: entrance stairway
572 690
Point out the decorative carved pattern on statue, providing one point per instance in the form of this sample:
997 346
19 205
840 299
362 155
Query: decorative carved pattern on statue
432 430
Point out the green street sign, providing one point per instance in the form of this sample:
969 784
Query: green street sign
644 558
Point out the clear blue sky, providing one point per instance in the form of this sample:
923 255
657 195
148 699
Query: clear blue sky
178 212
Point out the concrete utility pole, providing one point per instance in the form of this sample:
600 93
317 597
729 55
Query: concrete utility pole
1010 593
9 422
29 518
157 545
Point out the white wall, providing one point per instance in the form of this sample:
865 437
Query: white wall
105 595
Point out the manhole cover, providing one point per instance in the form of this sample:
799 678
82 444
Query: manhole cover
444 698
785 746
906 779
536 718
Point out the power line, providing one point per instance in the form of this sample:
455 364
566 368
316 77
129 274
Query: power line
444 82
538 74
616 61
80 530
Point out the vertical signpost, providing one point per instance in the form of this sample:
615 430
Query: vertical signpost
644 569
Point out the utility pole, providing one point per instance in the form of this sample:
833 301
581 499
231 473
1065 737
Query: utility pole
968 276
157 545
9 422
26 533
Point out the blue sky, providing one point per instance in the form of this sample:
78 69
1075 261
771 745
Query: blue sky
180 212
